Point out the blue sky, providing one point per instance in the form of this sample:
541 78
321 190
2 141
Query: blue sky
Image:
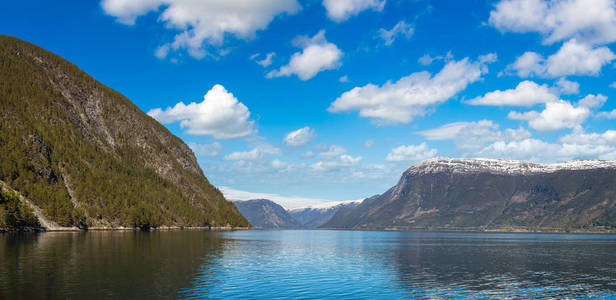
314 101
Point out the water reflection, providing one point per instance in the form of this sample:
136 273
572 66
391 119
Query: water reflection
506 265
103 265
305 264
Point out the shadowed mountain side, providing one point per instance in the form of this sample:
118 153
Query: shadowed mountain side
311 218
265 214
482 194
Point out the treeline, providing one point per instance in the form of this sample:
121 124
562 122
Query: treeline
13 213
47 152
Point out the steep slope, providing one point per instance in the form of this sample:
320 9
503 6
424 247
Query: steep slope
489 194
313 217
87 156
265 214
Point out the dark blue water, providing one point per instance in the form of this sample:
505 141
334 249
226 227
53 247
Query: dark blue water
306 264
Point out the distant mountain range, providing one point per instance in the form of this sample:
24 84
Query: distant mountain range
265 214
491 194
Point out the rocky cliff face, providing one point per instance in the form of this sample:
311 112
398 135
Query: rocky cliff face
313 217
87 156
265 214
489 194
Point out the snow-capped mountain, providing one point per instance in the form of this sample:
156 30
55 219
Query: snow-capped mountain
492 194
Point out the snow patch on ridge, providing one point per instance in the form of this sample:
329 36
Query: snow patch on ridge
502 166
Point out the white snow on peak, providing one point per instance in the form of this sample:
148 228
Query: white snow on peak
503 166
327 205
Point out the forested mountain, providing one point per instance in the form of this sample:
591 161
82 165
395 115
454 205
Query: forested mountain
492 194
87 156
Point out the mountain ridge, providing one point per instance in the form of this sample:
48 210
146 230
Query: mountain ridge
87 156
464 194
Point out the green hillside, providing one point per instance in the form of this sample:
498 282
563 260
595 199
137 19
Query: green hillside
87 156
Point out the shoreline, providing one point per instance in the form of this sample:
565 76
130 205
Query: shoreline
160 228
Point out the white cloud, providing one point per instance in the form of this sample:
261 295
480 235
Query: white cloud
220 114
307 154
526 149
556 115
369 143
257 153
317 55
411 153
592 101
212 149
202 22
613 85
399 102
470 137
341 10
529 64
427 59
588 21
610 115
573 58
247 155
576 145
527 93
290 202
265 61
300 137
336 163
400 29
568 87
344 79
329 150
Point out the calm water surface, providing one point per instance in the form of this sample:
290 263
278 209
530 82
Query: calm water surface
305 264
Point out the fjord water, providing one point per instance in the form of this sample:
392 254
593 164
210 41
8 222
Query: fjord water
305 264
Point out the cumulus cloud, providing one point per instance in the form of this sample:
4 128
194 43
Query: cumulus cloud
568 87
613 85
335 163
592 101
341 10
589 22
317 55
411 153
300 137
610 115
400 29
410 96
257 153
329 150
470 137
202 23
573 58
526 93
369 143
266 61
576 145
556 115
307 154
528 64
212 149
220 115
344 79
